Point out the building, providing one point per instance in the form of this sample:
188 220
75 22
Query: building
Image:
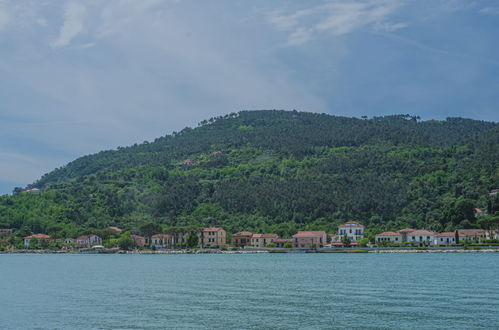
162 241
404 232
27 239
138 240
494 192
352 229
422 237
446 238
213 237
261 240
242 238
470 236
281 242
69 241
116 229
88 241
308 239
388 237
179 239
479 213
5 231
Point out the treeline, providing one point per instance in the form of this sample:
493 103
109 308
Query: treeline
278 171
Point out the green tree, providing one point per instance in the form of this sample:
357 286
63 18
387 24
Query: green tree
125 242
192 240
346 240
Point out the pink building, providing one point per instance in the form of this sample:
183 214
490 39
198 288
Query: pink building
307 239
139 240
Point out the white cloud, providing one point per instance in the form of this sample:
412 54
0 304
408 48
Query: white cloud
489 10
4 18
337 18
74 14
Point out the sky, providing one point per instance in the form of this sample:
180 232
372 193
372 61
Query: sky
78 77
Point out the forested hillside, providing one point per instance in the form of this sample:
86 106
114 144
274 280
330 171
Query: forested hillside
276 171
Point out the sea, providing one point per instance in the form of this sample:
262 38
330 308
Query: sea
250 291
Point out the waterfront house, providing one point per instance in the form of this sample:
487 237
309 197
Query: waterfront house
86 241
307 239
446 238
68 241
352 229
281 242
388 237
492 234
138 240
213 237
162 241
179 239
422 237
470 235
242 238
5 231
404 232
261 240
27 239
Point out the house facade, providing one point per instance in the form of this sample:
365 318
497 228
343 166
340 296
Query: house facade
138 240
352 229
5 231
405 232
281 242
261 240
88 241
162 241
422 237
447 238
308 239
388 237
242 239
213 237
27 239
470 235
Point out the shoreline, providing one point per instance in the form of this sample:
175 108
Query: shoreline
263 251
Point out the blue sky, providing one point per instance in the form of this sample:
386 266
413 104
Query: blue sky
77 77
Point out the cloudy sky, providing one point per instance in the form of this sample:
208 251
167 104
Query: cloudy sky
77 77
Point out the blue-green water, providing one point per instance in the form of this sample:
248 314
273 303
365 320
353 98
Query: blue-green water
281 291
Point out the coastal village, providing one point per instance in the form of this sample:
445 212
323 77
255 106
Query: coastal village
349 235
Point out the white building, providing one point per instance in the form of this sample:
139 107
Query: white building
447 238
352 229
389 237
422 237
88 241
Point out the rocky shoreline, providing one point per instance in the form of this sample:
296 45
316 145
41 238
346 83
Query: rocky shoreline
257 251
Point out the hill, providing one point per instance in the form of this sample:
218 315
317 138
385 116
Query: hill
276 171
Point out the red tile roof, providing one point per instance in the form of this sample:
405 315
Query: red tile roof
212 229
471 232
478 211
283 240
309 234
389 233
265 236
161 236
243 233
447 234
115 229
405 230
39 236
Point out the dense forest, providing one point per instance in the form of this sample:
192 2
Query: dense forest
276 171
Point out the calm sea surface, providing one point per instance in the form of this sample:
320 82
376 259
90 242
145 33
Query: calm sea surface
279 291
